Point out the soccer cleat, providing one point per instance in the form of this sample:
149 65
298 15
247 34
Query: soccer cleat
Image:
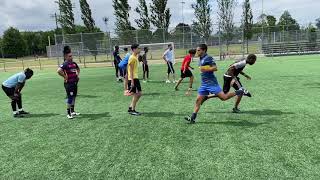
190 120
23 112
247 93
236 110
75 113
69 116
135 113
168 81
240 92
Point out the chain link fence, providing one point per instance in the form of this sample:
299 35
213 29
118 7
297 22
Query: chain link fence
98 47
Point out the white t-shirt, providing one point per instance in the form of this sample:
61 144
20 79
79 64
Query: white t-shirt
168 55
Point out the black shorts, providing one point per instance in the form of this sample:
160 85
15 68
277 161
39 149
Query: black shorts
71 89
145 67
170 68
187 73
136 88
227 84
9 91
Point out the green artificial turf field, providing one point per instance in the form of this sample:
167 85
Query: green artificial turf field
276 136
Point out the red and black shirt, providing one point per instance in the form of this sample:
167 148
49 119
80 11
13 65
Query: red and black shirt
71 71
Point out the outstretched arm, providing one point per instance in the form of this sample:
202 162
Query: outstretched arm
245 75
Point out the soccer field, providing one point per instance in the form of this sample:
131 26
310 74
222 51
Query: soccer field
275 137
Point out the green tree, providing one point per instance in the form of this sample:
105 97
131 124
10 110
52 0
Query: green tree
66 18
160 16
247 22
13 43
202 24
86 16
318 23
143 22
226 16
123 26
286 22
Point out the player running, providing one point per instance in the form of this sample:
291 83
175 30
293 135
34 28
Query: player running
169 59
186 70
134 86
12 88
231 78
70 71
209 83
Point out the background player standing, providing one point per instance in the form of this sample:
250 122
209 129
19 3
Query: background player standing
169 59
116 61
70 71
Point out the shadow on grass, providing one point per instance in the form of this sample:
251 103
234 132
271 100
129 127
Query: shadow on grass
87 96
242 123
151 94
161 114
262 112
313 85
94 116
44 115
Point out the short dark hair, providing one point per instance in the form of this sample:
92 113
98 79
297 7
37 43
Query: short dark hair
125 49
169 45
66 50
116 47
192 51
28 72
146 49
203 47
134 46
252 57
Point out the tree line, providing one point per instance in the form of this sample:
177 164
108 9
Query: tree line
156 16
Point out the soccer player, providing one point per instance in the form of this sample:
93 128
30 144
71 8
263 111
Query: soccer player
145 65
168 58
116 61
209 83
12 87
185 70
134 86
231 78
70 71
123 67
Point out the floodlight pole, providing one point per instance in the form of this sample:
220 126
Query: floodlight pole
182 3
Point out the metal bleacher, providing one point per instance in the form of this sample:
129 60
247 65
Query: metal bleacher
291 48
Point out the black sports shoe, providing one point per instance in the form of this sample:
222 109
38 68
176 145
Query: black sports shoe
236 110
135 113
129 110
191 121
247 93
23 112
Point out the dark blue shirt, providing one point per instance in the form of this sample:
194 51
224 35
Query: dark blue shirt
117 57
208 78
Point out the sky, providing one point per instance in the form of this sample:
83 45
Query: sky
32 15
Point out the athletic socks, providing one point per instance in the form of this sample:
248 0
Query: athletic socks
193 116
130 109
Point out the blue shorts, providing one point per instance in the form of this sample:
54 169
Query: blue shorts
206 89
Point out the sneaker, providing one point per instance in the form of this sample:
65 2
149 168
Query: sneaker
191 121
69 116
130 111
18 116
236 110
135 113
247 93
75 113
168 81
23 112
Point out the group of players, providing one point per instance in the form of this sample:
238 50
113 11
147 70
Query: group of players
127 69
